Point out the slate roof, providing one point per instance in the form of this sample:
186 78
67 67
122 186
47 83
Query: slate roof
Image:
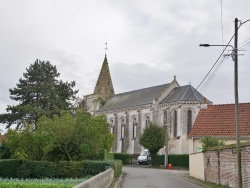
219 121
134 98
184 93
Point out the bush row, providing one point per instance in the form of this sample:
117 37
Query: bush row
124 157
64 169
174 159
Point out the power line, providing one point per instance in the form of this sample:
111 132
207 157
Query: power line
214 73
244 41
211 68
244 46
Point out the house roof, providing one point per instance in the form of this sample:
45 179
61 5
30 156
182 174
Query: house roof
219 121
184 93
134 98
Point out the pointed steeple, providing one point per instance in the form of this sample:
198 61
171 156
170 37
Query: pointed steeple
104 85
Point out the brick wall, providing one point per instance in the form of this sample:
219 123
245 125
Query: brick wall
211 166
220 166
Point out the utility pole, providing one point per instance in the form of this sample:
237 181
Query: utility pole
166 138
237 103
237 118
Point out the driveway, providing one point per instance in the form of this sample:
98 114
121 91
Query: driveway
154 178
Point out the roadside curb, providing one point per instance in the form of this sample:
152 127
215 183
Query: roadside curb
191 180
117 183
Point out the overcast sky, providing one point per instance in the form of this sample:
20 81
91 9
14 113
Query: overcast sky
148 43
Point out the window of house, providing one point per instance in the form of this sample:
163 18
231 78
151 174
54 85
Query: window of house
175 123
189 121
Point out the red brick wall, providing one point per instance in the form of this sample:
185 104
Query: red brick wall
245 160
221 166
211 167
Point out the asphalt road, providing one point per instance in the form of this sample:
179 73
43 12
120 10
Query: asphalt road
137 177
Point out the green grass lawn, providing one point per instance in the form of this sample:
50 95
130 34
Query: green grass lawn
40 183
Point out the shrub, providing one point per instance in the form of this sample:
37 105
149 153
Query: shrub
108 156
64 169
36 169
9 168
209 141
117 166
174 159
157 160
94 167
178 160
73 169
124 157
105 156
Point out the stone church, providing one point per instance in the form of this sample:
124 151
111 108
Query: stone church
170 105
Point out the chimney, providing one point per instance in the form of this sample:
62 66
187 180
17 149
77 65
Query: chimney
205 100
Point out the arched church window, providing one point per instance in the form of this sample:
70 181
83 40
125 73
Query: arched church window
175 123
147 120
112 126
189 121
122 128
165 118
134 127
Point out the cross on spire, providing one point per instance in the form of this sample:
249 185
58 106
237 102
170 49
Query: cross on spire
106 48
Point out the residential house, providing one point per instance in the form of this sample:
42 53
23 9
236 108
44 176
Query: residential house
219 121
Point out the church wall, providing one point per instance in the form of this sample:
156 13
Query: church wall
128 144
179 144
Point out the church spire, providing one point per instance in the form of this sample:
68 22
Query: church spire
104 85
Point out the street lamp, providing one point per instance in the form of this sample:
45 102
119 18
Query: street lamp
208 45
235 58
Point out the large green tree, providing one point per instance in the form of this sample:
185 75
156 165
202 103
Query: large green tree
38 93
66 137
153 138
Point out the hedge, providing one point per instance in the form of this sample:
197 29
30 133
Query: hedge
117 166
36 169
73 169
124 157
104 156
63 169
9 167
174 159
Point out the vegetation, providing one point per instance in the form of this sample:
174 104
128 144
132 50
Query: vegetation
124 157
39 93
40 183
28 169
174 159
153 138
66 137
209 141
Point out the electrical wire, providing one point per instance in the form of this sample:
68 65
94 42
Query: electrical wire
213 74
241 23
212 67
244 41
244 46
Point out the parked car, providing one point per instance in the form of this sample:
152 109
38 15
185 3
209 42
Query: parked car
144 158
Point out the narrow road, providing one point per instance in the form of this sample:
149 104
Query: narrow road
137 177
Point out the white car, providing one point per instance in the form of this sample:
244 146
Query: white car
144 157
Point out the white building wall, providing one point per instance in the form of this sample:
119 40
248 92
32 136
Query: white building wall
177 145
